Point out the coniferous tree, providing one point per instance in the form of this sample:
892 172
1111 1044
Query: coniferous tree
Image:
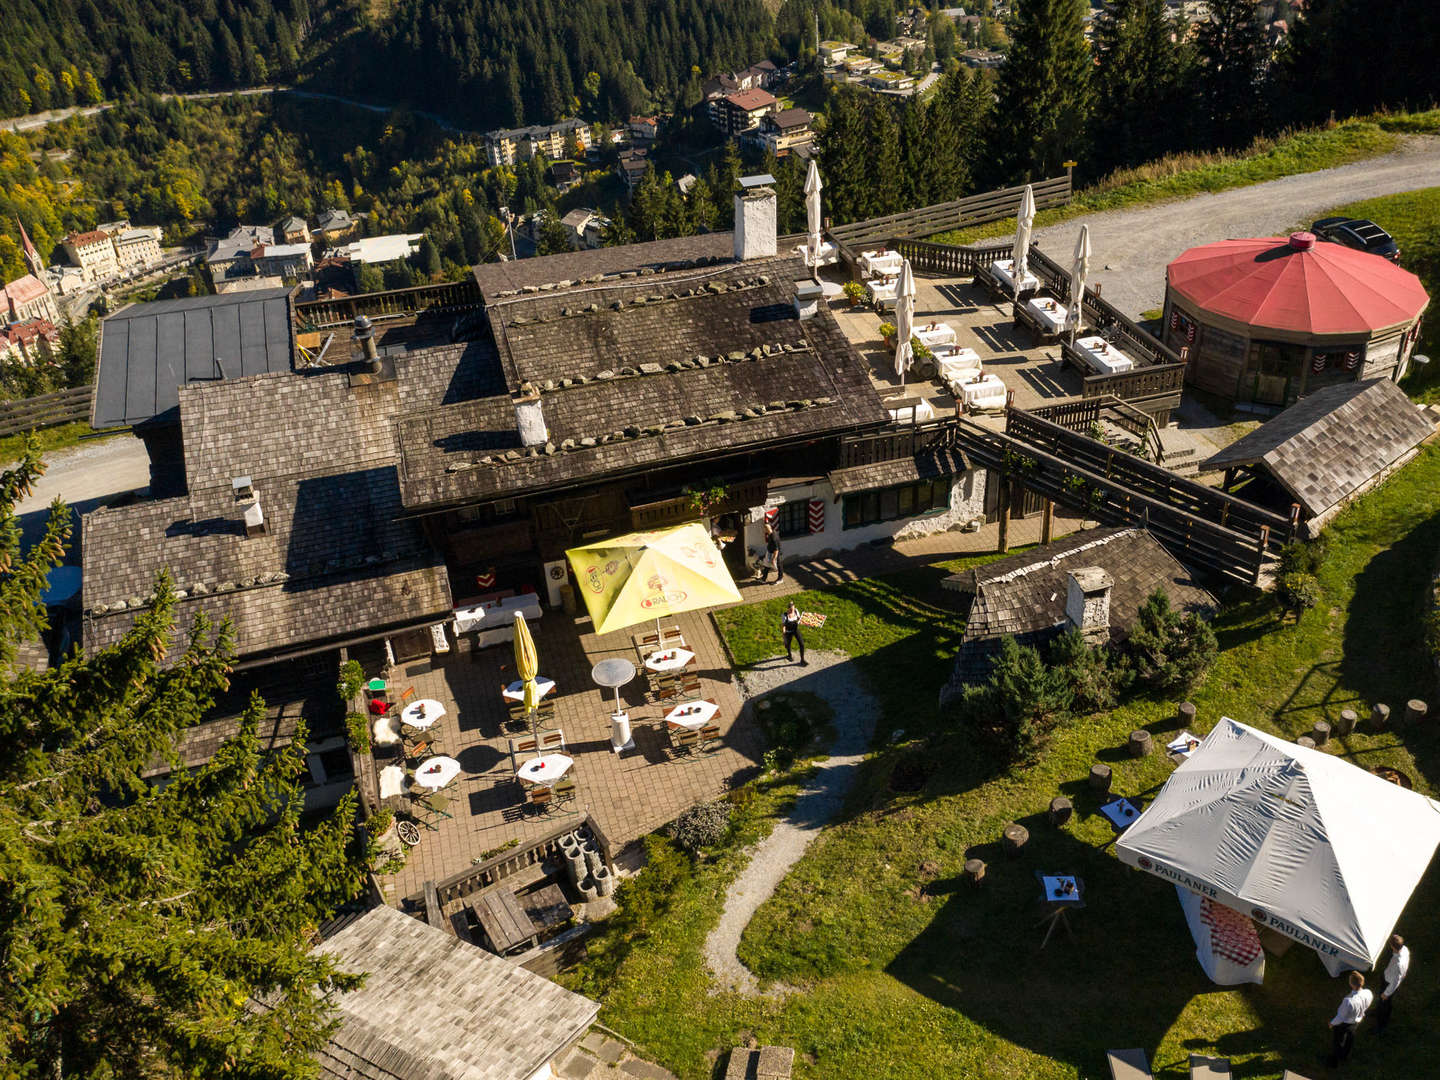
1231 47
1044 93
137 924
1143 85
847 160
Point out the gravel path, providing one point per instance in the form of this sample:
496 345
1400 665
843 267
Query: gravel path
830 676
1132 247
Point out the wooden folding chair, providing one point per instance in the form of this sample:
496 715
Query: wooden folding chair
690 688
565 793
684 741
433 803
541 798
550 739
709 737
417 744
406 696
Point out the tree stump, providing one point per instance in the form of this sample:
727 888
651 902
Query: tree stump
1014 839
1320 733
1346 724
1187 715
1379 716
1415 711
1305 741
974 871
1060 810
1100 778
1140 743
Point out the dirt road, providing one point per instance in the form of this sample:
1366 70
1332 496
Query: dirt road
1132 247
85 476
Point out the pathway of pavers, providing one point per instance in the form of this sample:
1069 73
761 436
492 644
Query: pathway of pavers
831 676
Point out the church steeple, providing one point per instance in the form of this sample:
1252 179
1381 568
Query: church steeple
32 257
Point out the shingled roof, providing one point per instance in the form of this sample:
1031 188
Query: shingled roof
438 1008
334 559
498 280
1332 444
1023 596
640 372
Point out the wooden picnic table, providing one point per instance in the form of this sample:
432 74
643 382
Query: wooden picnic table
504 921
547 907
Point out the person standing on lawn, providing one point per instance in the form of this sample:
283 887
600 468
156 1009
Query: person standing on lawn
1347 1019
1395 972
790 631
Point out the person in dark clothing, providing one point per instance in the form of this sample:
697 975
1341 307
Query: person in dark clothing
1395 973
790 631
772 557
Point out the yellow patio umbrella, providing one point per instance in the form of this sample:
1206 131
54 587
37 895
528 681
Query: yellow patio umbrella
527 664
641 576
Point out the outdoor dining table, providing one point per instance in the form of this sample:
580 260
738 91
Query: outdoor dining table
545 769
421 714
693 715
516 690
434 773
1102 356
887 265
1121 813
672 659
956 363
1048 312
986 392
1061 894
932 337
883 292
1004 269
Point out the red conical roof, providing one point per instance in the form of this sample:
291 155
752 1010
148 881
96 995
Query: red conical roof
1297 285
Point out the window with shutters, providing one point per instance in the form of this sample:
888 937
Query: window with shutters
793 518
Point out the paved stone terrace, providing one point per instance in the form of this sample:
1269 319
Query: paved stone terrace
642 789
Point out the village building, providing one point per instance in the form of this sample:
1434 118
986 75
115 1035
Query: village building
1094 582
230 256
835 52
334 225
513 145
94 253
136 249
564 175
30 342
1265 321
586 228
293 230
28 297
379 249
643 129
783 131
741 111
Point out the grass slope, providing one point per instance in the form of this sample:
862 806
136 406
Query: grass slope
905 973
1180 176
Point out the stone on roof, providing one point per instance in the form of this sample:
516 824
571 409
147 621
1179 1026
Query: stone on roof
1333 443
1023 596
438 1008
149 351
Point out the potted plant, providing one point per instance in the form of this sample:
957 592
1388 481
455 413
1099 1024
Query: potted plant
887 332
854 292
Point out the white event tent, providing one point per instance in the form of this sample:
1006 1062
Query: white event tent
1299 840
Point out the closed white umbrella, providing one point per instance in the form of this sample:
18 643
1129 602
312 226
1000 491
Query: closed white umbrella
812 213
904 318
1078 269
1024 219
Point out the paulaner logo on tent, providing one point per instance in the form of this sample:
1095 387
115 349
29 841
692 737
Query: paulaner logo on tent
1179 877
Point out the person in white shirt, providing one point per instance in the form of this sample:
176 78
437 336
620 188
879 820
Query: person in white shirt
1347 1018
1394 975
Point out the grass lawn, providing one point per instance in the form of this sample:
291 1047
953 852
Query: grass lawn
1413 219
55 438
1183 175
904 972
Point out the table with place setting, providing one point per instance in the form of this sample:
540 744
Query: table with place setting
545 769
672 659
1004 269
1048 313
983 392
885 264
421 714
935 337
1102 356
516 690
434 773
693 715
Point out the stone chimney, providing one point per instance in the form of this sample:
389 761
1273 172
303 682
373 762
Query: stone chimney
1087 603
755 217
530 416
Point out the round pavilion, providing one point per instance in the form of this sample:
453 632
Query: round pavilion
1268 320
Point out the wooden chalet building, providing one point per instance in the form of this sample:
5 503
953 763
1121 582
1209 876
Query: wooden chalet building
596 392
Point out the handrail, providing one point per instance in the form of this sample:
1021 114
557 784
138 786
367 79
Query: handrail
1144 421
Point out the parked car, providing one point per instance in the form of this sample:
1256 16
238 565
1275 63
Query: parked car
1359 234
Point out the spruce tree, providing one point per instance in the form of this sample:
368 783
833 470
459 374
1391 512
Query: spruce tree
137 925
1231 45
1143 85
1044 91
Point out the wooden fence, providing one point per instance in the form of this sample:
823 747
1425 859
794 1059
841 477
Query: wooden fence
447 297
895 442
45 411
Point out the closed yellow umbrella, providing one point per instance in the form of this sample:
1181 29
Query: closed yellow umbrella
651 575
527 664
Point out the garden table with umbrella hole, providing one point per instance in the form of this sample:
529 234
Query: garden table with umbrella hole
545 769
421 714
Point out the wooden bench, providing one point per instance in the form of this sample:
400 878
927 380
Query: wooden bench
505 923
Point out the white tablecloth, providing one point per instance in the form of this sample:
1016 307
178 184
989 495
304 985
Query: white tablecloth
516 690
957 364
919 412
1004 269
986 393
887 265
672 659
829 253
497 614
1102 356
693 714
1048 312
883 292
545 769
434 773
431 709
942 334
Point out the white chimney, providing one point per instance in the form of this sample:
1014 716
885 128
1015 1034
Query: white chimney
254 518
1087 603
530 416
755 217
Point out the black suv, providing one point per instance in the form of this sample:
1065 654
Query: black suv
1359 234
